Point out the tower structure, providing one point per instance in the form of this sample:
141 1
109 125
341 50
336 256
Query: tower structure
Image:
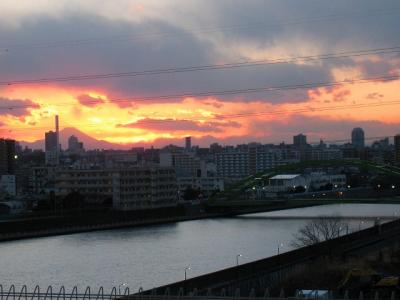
358 138
7 157
188 143
300 141
52 145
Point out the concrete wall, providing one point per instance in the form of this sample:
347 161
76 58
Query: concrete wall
270 271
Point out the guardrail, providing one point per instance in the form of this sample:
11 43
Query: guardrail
61 294
270 272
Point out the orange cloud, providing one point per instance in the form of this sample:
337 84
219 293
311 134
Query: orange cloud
92 112
90 101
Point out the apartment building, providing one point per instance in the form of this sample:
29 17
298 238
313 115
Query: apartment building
129 189
244 160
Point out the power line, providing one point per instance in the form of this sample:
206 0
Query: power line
229 92
221 117
126 37
279 112
253 63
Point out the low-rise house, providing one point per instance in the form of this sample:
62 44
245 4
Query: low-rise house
300 183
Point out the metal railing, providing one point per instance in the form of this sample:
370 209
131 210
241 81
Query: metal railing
12 293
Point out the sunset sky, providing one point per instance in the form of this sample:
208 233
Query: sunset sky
52 39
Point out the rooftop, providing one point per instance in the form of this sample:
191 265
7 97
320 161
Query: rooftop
285 176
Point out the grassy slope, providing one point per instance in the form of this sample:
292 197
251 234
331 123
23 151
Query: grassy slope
238 188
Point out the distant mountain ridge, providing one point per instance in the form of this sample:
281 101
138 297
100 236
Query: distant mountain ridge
88 141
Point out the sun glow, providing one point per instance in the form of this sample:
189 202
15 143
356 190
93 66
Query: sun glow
108 121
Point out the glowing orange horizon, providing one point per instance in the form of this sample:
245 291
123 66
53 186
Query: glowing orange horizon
110 122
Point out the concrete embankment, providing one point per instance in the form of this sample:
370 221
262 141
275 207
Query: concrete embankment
71 229
269 272
34 227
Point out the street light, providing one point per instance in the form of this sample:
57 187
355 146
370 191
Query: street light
119 287
359 225
279 246
186 269
237 259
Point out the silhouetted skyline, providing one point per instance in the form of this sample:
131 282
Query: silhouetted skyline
153 74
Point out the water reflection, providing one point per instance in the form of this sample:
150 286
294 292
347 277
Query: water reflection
156 255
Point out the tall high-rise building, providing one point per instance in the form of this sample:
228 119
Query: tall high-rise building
74 145
50 140
58 140
52 145
7 157
188 143
358 138
397 148
300 140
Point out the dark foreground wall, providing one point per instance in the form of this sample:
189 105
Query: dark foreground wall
81 221
259 274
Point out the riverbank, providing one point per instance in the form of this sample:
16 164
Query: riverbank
35 227
150 256
376 247
60 225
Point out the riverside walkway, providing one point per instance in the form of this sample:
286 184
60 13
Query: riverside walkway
266 273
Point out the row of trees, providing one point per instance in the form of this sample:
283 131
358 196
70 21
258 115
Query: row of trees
319 230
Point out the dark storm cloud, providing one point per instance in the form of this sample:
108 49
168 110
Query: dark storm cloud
378 68
179 49
363 22
263 24
16 107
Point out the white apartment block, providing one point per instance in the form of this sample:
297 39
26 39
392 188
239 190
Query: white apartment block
207 185
184 163
241 162
192 171
130 188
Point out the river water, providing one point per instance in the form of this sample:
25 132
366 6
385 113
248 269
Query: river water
156 255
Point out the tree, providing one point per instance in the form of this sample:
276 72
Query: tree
326 187
191 193
319 230
73 200
299 189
